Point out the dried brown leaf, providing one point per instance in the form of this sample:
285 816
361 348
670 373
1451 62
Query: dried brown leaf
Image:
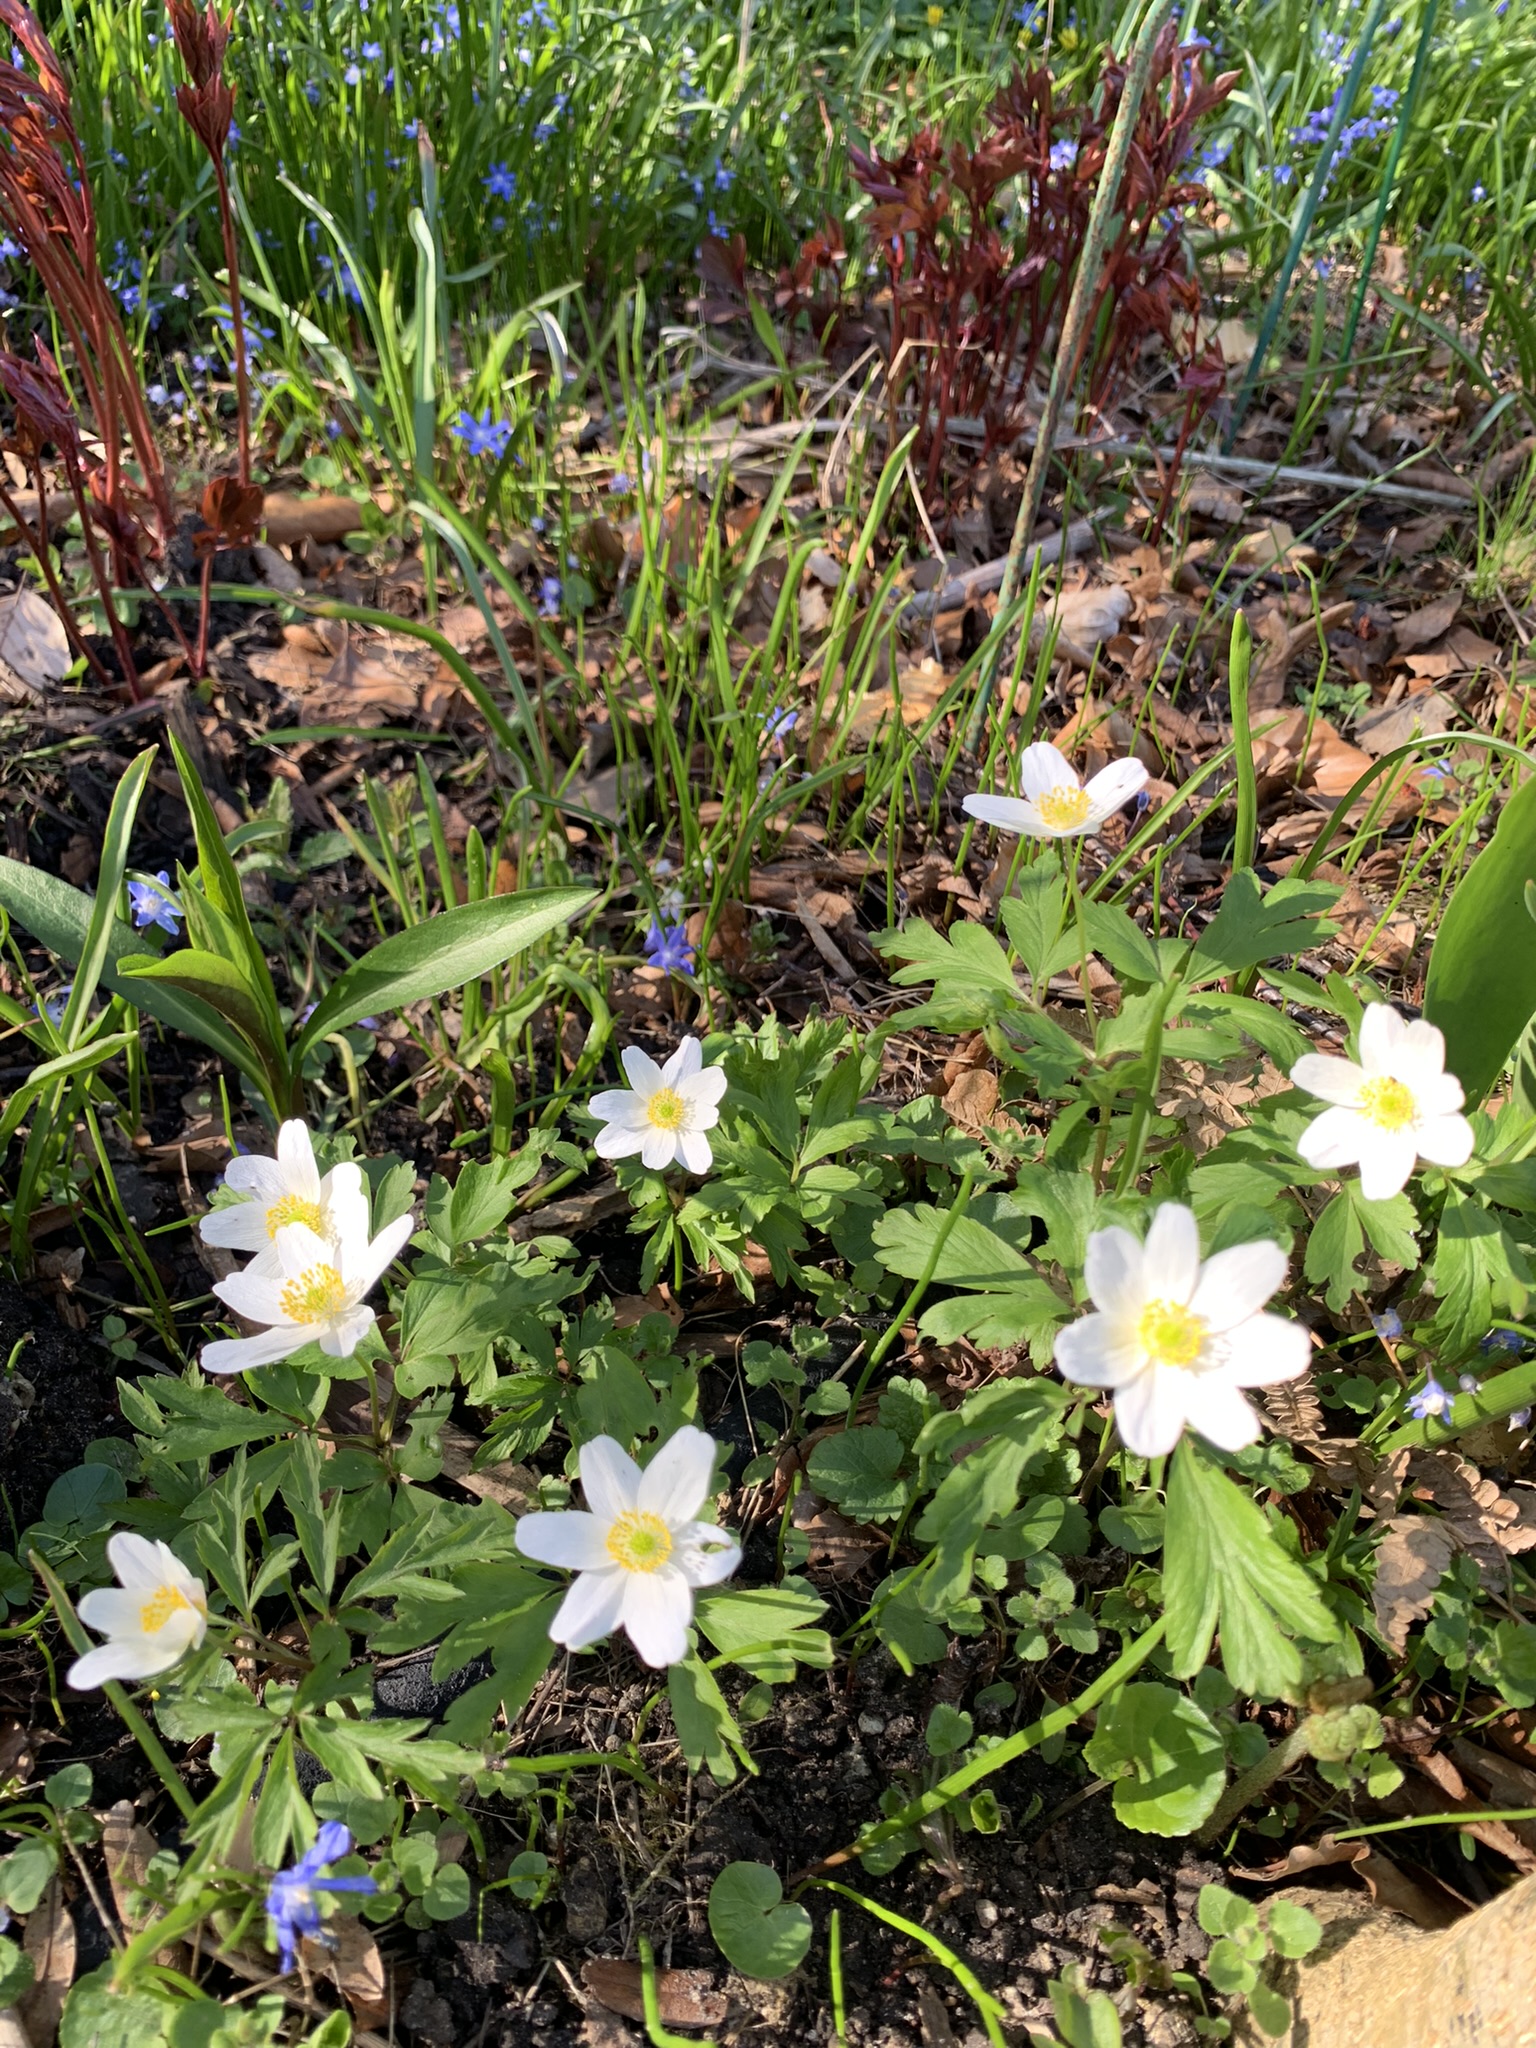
1478 1517
350 1957
1295 1411
1419 628
1411 1560
50 1942
843 1546
686 1998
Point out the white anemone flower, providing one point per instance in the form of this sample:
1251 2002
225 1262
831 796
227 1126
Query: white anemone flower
315 1295
1396 1107
287 1189
151 1618
1176 1341
638 1551
1056 803
664 1112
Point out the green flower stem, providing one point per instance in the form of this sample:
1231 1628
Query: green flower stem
1492 1401
941 1237
1146 1094
144 1735
161 1933
947 1790
991 2012
1454 1818
1239 664
1279 1758
656 2033
1081 307
581 1759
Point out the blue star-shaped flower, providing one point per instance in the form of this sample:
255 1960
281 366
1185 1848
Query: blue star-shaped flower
150 905
667 947
483 436
501 182
1431 1401
291 1896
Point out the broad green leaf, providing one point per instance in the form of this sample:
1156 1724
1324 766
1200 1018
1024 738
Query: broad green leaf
1481 990
972 1255
1165 1755
446 951
1033 915
1224 1567
1293 1931
220 983
754 1927
856 1469
59 918
220 881
741 1622
95 951
973 980
16 1972
1254 925
1479 1270
1339 1234
480 1199
706 1728
82 1060
1085 2018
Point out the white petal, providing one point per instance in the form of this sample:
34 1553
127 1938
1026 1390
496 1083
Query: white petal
184 1631
1171 1255
137 1560
576 1541
1381 1030
1235 1284
1222 1416
363 1265
619 1106
342 1334
256 1296
658 1607
1387 1160
620 1141
255 1176
705 1555
120 1660
115 1610
693 1150
239 1227
643 1072
1113 787
1336 1138
244 1354
1113 1271
703 1088
296 1160
1007 813
658 1149
1098 1351
610 1478
1445 1140
591 1610
299 1248
687 1061
344 1198
1149 1410
1437 1095
1043 767
1265 1350
1334 1080
675 1484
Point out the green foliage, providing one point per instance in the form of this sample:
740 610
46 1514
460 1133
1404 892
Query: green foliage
1481 990
754 1926
1165 1756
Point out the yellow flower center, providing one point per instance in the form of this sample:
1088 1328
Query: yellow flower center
159 1607
666 1110
935 16
318 1292
1387 1103
1064 808
641 1543
1171 1334
294 1209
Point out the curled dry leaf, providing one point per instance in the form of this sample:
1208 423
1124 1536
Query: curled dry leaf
842 1546
1295 1411
1390 1886
1477 1516
686 1998
50 1942
33 644
350 1957
1411 1560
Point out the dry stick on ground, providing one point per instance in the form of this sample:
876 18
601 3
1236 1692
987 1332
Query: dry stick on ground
1074 330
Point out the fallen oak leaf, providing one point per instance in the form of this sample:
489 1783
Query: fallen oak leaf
1412 1558
685 1998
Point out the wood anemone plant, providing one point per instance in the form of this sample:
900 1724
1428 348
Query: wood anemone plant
47 207
981 243
207 104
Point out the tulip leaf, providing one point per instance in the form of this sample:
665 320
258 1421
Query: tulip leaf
1481 990
755 1927
455 947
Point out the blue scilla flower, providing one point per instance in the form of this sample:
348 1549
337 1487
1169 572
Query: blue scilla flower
1389 1325
1432 1401
292 1896
667 947
483 436
549 596
150 905
777 724
501 182
54 1006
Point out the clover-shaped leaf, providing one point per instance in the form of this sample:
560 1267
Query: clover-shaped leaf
755 1927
